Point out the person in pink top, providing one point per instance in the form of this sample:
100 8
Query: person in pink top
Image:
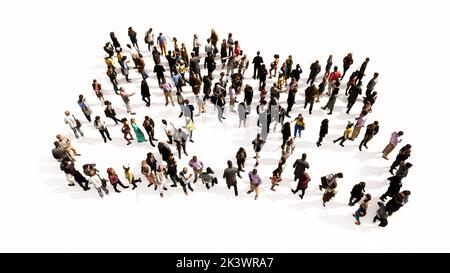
197 167
334 76
360 121
255 181
392 143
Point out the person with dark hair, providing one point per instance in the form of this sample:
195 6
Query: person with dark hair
296 72
310 95
398 201
109 49
403 155
286 132
112 75
360 121
145 93
362 211
220 105
255 182
98 184
197 167
207 84
149 127
110 112
164 150
59 153
299 167
323 132
126 100
208 178
362 70
241 156
186 177
114 180
353 96
257 62
85 107
351 81
348 61
149 38
333 77
392 143
68 167
258 142
332 99
101 127
357 193
133 37
299 125
167 90
262 75
275 179
403 169
329 183
248 97
229 174
151 161
371 84
315 69
395 184
329 64
371 131
180 137
293 88
126 130
130 176
156 56
381 215
161 41
116 43
137 131
97 87
124 68
347 133
159 70
302 185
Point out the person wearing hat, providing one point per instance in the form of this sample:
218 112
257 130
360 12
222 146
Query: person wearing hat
347 133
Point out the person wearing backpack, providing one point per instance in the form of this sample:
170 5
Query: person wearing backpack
74 124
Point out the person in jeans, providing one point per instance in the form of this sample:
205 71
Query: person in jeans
362 211
299 125
392 143
73 124
101 127
197 167
255 181
229 174
97 182
114 180
85 107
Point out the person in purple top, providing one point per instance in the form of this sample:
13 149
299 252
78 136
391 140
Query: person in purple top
360 121
392 143
255 181
197 167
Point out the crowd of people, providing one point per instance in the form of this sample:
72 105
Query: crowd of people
183 69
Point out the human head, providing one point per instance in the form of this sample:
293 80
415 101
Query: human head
362 184
194 158
335 68
209 170
255 171
229 163
97 118
185 170
80 97
303 156
368 197
408 146
408 165
400 133
376 122
340 175
325 121
375 75
164 122
56 143
67 113
258 52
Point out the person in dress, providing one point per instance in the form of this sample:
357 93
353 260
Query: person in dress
137 131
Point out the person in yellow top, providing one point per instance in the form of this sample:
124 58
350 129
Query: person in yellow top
109 62
299 125
347 134
130 177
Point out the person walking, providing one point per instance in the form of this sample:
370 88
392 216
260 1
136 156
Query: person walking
149 127
395 139
371 84
126 99
257 62
133 37
161 180
68 167
329 183
168 129
98 184
145 93
300 165
137 131
97 87
275 179
197 167
360 121
186 178
293 88
395 184
348 61
130 176
74 124
403 155
332 99
381 215
257 147
161 41
353 96
126 130
164 150
229 174
85 107
334 76
242 113
110 112
167 90
149 39
180 137
315 69
286 132
329 64
255 181
371 131
208 178
299 126
101 127
159 70
114 179
323 132
241 156
347 133
322 86
398 201
362 211
302 185
362 70
357 193
310 95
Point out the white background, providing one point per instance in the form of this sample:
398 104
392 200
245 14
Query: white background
53 49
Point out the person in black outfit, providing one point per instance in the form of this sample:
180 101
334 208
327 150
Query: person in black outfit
296 72
257 62
248 97
145 93
133 37
159 70
397 202
371 131
109 49
149 126
362 70
293 88
207 84
323 132
210 64
164 150
110 112
353 96
116 43
315 70
172 62
395 184
262 74
357 193
69 168
402 156
286 131
151 161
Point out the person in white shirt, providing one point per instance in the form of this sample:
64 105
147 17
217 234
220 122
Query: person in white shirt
101 127
97 182
72 121
168 128
161 179
232 95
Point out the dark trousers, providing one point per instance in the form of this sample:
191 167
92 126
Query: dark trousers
151 136
311 104
241 164
116 120
364 142
170 139
255 72
119 183
354 199
235 189
105 133
345 71
383 221
160 78
196 51
181 145
146 100
395 164
342 139
299 189
311 78
349 106
289 107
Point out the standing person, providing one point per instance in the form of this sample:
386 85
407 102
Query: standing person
101 127
315 69
302 185
97 87
351 81
68 167
262 76
322 86
293 88
85 107
348 61
397 202
323 131
162 43
114 180
299 126
180 138
97 182
137 131
223 52
74 124
186 178
145 93
168 129
360 121
110 112
299 167
126 99
208 178
196 45
164 150
188 112
274 65
275 179
149 127
347 133
140 65
59 153
207 84
172 170
230 44
371 131
381 215
147 172
371 84
241 156
257 62
329 183
210 64
362 211
310 95
395 139
257 147
133 37
229 174
126 130
332 99
151 162
232 96
295 74
214 39
403 170
242 112
116 43
357 193
248 97
334 76
220 104
195 82
329 64
156 56
67 145
112 75
197 167
395 184
149 38
255 181
167 90
362 70
161 180
403 155
159 70
124 68
353 96
286 132
130 176
180 101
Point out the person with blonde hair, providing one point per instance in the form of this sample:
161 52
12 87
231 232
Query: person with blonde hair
74 124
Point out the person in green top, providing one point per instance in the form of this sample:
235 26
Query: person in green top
139 134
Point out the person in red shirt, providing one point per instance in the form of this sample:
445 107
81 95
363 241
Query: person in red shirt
334 76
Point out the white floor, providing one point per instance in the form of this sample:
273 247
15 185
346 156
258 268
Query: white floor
60 52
